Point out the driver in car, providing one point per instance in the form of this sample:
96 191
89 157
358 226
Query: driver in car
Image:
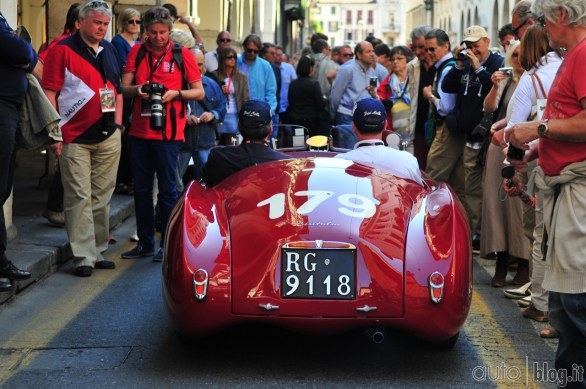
368 121
255 126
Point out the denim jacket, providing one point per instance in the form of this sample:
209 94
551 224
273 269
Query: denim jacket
204 134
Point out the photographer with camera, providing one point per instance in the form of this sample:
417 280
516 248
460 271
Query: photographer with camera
470 78
160 85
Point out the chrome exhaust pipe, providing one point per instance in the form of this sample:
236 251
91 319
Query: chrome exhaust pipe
377 334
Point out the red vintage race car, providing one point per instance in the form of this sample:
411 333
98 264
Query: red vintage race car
319 245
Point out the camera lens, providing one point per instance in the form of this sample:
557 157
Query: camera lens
463 55
515 153
157 110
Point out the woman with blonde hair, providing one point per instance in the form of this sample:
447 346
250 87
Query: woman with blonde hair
128 28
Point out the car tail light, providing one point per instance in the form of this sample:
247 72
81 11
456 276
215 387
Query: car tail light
200 284
436 287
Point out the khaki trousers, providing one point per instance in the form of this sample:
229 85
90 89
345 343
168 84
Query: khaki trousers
88 172
444 160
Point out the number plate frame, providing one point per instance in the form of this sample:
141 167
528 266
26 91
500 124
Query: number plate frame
321 263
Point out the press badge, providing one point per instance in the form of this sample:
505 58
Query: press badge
107 100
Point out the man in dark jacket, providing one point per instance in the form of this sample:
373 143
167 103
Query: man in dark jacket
471 80
255 127
18 58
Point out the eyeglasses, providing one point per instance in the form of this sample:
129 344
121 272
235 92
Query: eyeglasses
516 30
133 21
397 59
230 57
224 40
347 55
430 49
98 4
541 21
249 51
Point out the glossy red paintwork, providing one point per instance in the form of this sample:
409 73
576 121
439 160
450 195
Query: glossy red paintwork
403 232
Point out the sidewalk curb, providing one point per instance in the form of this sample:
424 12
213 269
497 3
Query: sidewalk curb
41 248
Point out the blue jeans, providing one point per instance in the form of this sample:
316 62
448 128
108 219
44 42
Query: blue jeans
346 136
567 314
200 157
150 157
8 127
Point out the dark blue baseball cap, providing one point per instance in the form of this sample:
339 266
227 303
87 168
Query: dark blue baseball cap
369 115
255 114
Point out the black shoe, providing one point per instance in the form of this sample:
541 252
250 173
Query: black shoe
475 243
84 271
138 252
5 286
104 264
13 273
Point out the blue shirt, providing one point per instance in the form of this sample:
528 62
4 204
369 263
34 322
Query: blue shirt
350 86
288 74
214 102
262 83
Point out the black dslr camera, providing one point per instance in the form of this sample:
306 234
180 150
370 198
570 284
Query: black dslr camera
158 112
463 55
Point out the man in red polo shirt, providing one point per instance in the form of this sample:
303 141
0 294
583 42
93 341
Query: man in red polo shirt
81 78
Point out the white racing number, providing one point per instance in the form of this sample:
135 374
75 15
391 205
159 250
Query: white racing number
353 205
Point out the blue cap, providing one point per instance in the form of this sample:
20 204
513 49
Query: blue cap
255 114
369 115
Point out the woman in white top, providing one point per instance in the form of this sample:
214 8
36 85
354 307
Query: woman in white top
543 63
502 225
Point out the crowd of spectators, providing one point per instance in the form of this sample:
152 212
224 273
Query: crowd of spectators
460 111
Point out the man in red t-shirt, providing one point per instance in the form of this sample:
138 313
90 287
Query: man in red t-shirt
158 123
560 176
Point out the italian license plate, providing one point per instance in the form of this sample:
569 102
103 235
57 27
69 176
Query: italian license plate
318 273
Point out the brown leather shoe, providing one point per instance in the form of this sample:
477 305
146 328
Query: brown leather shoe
535 314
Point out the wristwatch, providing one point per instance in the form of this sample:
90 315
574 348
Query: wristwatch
119 127
542 129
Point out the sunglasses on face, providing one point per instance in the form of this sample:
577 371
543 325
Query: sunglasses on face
224 40
541 21
347 55
249 51
230 57
430 49
516 30
134 21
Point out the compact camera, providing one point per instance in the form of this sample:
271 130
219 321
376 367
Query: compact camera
157 109
508 71
463 55
373 81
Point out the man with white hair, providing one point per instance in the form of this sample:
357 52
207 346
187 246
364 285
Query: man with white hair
91 124
560 177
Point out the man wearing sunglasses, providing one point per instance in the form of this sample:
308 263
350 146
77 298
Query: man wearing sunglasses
211 57
421 73
522 18
262 83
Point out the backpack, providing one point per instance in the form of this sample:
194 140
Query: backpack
178 59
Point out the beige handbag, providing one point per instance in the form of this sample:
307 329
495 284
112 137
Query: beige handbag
540 100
